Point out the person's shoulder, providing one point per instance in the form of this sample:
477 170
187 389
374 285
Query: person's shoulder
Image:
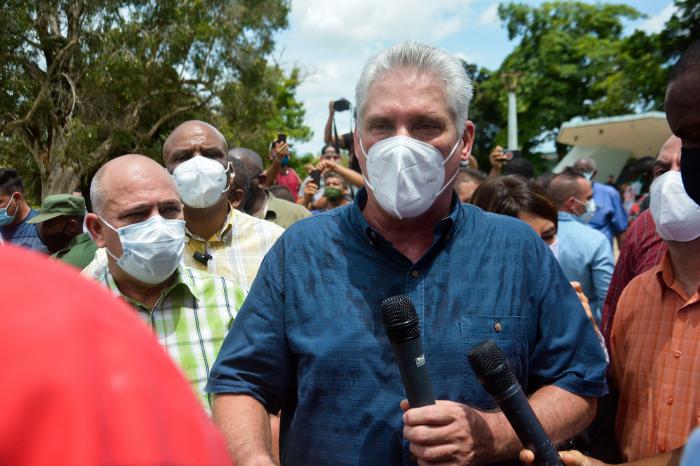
608 190
258 224
289 206
322 223
639 286
499 222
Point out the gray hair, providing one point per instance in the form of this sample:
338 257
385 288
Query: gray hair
97 194
424 59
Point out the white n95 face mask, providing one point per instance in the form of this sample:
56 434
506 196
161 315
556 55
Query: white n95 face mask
201 181
151 250
676 215
406 175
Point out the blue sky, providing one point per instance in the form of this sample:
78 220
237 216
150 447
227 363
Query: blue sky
331 40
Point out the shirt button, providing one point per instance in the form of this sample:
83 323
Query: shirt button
677 353
497 326
669 400
415 274
662 446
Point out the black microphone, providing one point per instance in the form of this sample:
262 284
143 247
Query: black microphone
492 369
202 258
402 328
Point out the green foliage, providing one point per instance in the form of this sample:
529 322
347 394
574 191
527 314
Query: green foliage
681 29
82 81
573 61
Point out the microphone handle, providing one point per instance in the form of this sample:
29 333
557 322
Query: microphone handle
519 413
410 358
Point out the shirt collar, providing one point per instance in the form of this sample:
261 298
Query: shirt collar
566 216
667 279
183 280
223 234
360 224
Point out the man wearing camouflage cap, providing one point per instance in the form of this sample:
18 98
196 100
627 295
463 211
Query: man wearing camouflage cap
60 228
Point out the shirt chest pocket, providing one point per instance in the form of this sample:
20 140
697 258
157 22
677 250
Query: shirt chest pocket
508 332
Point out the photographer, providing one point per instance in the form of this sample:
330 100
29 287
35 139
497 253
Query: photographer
334 193
279 172
344 141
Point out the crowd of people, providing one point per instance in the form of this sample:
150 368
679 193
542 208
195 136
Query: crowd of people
264 291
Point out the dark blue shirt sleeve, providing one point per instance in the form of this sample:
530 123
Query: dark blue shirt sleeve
255 359
567 352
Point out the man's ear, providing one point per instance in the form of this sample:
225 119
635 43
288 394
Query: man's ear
236 198
95 227
468 141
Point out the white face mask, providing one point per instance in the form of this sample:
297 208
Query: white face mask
201 181
151 249
555 248
676 215
590 210
406 175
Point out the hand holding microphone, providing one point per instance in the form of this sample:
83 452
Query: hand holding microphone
444 431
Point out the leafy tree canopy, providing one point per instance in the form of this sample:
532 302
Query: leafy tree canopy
85 80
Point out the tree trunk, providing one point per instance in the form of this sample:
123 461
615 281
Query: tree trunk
59 180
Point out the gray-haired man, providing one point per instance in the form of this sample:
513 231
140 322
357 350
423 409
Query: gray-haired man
310 341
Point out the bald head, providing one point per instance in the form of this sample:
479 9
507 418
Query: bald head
127 178
585 165
669 157
251 160
193 138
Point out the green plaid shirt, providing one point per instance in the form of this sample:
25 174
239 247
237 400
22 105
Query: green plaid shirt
190 319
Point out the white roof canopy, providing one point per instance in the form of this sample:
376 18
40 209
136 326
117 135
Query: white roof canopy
640 135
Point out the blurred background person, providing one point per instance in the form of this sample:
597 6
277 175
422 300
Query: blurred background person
585 254
249 194
60 228
334 195
610 217
468 180
345 140
15 213
279 172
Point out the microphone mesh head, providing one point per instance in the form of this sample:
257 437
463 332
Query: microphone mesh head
400 319
491 367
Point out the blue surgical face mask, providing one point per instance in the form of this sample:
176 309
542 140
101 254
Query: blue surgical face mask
151 250
6 219
285 160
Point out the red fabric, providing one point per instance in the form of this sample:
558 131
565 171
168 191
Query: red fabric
84 381
290 181
641 250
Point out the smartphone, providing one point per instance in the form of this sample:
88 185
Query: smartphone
511 154
281 137
316 177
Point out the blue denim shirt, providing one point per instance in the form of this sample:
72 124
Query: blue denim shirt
309 338
610 217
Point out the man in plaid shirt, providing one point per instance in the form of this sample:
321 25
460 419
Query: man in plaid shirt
138 219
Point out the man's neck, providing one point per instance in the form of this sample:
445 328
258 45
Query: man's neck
23 210
257 203
204 223
685 259
140 292
412 237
